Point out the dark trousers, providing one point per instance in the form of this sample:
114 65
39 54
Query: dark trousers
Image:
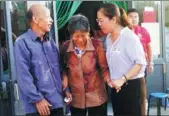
128 100
54 112
92 111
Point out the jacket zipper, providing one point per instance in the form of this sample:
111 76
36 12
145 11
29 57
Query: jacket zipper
81 75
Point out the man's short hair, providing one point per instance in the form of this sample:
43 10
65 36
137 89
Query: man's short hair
131 11
29 15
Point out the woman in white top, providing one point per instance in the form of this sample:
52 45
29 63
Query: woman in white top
125 58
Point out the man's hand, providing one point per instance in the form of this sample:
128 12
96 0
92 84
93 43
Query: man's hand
43 107
150 69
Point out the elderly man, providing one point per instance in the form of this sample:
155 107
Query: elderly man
37 64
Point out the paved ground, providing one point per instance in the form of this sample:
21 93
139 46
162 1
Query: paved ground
153 111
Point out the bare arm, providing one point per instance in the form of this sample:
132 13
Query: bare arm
136 54
150 67
149 53
133 71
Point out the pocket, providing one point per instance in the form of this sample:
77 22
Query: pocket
36 63
76 87
46 87
73 65
55 57
37 69
115 52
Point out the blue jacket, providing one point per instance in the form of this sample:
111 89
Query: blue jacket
38 71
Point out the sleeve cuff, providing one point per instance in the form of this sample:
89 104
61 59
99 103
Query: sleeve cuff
36 99
140 62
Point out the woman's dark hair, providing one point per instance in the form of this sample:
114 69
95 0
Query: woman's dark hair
78 23
112 10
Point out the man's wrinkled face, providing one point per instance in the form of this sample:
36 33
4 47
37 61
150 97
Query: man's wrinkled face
133 18
44 20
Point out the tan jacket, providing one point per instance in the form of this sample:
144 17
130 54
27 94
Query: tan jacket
85 83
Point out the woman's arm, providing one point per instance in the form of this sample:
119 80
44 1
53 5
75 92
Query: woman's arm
134 71
135 53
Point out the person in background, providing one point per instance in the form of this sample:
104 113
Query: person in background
98 33
82 58
4 48
37 65
125 58
145 39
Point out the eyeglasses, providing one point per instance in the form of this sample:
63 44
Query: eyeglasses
100 21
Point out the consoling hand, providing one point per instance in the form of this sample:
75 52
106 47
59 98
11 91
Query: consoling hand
118 83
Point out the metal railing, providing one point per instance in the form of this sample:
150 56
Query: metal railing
10 104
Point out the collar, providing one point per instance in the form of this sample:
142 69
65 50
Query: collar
35 37
89 46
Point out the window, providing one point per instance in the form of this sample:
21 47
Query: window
19 25
166 3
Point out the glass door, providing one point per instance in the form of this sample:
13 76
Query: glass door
151 19
166 34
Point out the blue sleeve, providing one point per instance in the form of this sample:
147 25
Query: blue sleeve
67 89
24 77
60 60
59 55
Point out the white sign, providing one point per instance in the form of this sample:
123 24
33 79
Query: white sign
154 31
